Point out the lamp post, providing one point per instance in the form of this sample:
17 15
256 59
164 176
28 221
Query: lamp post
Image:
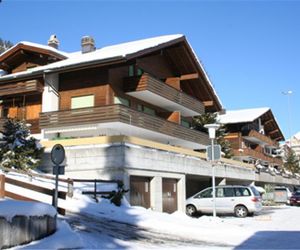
212 135
288 94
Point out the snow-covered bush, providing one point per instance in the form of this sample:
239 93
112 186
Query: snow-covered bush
18 149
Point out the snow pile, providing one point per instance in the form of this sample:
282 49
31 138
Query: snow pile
11 208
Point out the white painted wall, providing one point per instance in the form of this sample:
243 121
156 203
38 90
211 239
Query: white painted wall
50 98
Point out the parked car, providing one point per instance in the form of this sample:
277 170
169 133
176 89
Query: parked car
238 200
282 194
295 198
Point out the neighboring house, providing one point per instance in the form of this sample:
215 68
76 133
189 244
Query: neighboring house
254 136
294 143
124 112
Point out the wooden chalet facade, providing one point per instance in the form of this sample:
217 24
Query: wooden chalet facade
153 92
254 136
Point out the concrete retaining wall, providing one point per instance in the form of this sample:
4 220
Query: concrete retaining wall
22 229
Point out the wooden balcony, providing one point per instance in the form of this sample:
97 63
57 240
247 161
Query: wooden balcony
156 92
21 88
247 152
253 135
123 114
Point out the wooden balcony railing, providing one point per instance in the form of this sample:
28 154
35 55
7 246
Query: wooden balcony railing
257 155
148 82
21 87
261 137
120 113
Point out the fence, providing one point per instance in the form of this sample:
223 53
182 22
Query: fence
25 185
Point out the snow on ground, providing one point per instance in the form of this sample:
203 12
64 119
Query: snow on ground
11 208
102 225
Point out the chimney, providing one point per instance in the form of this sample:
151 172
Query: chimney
53 42
87 44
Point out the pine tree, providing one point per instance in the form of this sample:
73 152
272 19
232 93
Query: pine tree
209 118
291 162
18 149
5 45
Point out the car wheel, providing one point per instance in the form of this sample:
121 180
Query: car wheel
240 211
191 210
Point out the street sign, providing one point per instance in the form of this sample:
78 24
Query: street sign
58 170
57 154
57 157
217 153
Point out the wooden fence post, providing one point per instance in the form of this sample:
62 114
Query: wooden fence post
2 185
70 188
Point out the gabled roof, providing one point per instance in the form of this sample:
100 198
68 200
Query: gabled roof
115 53
250 115
242 115
33 47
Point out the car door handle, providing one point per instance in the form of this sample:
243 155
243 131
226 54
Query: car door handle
232 199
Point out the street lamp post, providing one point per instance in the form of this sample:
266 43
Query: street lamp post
212 135
288 94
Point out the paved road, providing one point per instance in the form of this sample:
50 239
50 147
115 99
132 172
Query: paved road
103 233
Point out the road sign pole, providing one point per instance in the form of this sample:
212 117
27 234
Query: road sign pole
213 178
56 187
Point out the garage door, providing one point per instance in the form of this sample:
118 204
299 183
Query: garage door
140 191
169 195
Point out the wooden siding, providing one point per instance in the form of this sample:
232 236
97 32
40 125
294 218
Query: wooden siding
120 113
147 82
264 138
257 155
21 87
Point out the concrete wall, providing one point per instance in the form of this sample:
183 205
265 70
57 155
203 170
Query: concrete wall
22 229
120 160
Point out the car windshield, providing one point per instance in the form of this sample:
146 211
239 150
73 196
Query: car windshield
297 193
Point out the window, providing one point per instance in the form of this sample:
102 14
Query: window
131 70
242 192
146 110
134 71
228 192
82 101
185 123
206 193
220 192
121 100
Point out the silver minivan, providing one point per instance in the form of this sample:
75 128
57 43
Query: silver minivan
238 200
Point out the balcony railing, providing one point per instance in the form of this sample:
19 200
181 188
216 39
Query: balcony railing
157 87
21 87
123 114
263 138
257 155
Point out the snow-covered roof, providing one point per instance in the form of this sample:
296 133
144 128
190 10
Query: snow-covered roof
297 135
242 115
110 52
37 45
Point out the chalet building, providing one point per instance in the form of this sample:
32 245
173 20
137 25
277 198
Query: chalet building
254 136
124 112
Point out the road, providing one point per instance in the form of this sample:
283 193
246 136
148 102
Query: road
103 233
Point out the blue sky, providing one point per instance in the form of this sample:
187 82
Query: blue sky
250 49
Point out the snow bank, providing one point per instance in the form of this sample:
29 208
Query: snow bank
11 208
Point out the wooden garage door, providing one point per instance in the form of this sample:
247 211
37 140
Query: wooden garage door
169 195
140 191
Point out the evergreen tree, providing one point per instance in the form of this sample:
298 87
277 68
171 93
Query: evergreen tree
17 148
209 118
4 45
291 162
